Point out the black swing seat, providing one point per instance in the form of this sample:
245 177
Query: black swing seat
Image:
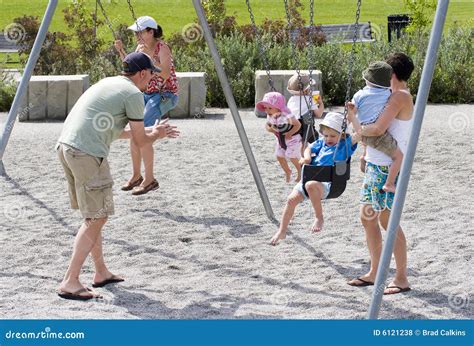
338 175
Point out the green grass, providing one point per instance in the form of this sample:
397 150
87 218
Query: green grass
173 15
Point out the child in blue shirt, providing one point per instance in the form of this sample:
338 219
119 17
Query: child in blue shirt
320 153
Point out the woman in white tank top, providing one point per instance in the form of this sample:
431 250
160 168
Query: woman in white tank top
376 203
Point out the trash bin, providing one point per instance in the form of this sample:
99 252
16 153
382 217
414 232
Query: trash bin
396 23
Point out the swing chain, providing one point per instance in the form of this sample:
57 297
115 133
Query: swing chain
351 64
309 103
132 11
107 21
260 46
293 45
310 50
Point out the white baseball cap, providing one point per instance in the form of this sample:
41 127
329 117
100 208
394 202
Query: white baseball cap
142 23
333 120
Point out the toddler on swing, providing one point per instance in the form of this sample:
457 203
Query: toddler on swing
286 128
305 105
319 153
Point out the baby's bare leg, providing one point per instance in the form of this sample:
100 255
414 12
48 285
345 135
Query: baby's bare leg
397 158
293 200
315 192
297 165
286 168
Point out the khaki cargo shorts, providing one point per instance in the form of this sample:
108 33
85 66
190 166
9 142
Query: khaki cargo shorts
89 182
384 143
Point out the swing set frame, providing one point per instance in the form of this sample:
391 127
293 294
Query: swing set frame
420 105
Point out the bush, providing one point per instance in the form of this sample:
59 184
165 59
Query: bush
7 92
60 56
452 82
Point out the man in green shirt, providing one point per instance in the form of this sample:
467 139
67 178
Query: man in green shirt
97 119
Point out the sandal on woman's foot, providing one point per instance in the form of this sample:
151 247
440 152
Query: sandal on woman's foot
141 190
77 295
359 282
395 290
130 185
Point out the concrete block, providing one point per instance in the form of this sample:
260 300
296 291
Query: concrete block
76 87
52 97
280 80
192 94
57 99
37 95
23 111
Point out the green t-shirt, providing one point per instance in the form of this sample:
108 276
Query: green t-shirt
100 115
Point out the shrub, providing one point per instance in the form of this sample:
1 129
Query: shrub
7 92
452 82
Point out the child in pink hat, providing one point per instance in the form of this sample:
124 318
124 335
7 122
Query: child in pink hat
285 126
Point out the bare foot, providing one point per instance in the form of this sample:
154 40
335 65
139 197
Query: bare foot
397 286
288 176
389 188
278 236
317 225
362 281
101 277
298 177
73 287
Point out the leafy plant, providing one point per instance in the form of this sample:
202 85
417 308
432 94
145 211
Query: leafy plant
421 12
7 92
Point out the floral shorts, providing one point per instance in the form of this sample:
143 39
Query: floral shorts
372 192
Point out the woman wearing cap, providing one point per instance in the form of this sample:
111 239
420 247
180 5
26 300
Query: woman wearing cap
161 96
375 202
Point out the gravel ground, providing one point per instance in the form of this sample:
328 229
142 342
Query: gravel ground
198 246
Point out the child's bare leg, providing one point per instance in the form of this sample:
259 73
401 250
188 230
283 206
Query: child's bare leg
315 192
397 158
293 200
297 165
285 167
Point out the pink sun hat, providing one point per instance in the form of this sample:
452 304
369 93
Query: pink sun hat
273 99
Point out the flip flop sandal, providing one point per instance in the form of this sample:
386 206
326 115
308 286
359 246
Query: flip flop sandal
362 284
399 290
130 186
112 280
77 295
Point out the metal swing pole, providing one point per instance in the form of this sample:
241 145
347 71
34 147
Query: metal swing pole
233 109
402 186
25 79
